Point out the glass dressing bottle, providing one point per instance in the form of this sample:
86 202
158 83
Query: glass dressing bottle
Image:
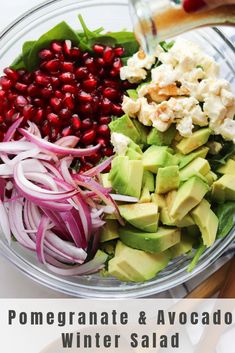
157 20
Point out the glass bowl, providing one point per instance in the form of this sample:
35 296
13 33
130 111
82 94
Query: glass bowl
112 15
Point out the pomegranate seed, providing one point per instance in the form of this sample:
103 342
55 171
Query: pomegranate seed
46 129
67 46
85 56
55 82
81 72
11 74
38 117
56 47
46 54
102 73
67 77
21 87
5 83
119 51
111 93
101 141
94 158
107 151
59 94
84 97
90 85
101 62
91 66
67 66
117 110
42 80
55 133
68 102
86 109
86 124
114 73
117 64
39 102
46 92
56 104
53 65
28 78
67 131
53 119
9 114
112 84
75 53
65 114
1 119
28 112
106 106
12 96
69 89
2 94
103 130
108 55
88 137
76 122
21 72
33 90
85 167
98 49
21 101
104 120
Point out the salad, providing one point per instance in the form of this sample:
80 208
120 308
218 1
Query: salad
115 161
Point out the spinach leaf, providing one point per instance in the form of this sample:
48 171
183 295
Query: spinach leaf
200 250
225 212
104 40
220 159
60 32
167 46
27 47
18 63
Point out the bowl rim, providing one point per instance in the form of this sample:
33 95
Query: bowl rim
61 284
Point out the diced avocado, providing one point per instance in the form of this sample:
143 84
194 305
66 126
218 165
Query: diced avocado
157 242
224 188
158 200
168 178
211 177
133 155
105 180
196 140
156 137
141 215
145 195
207 222
198 165
156 157
184 160
228 168
109 231
188 196
185 245
133 94
133 265
126 176
142 130
167 220
125 126
148 181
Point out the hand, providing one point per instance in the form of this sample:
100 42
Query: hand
196 5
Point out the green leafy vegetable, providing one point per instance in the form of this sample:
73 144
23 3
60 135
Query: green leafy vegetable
221 158
18 63
27 47
225 212
167 46
196 258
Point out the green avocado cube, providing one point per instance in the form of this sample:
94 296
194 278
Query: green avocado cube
156 137
228 168
156 157
224 188
185 160
145 195
198 165
168 178
185 245
148 181
125 126
196 140
109 231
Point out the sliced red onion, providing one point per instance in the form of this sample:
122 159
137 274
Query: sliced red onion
124 198
99 168
12 130
68 141
59 150
74 226
24 155
16 147
40 237
4 222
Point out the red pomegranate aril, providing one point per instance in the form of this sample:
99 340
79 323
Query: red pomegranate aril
53 65
75 53
76 122
119 51
117 64
39 115
94 158
21 101
90 85
108 55
67 77
46 54
85 56
84 97
69 89
53 119
107 151
91 65
33 90
98 49
39 102
106 106
1 120
86 124
2 94
104 120
117 110
114 72
111 93
67 131
85 167
6 83
112 84
67 46
46 129
65 114
55 134
56 47
86 109
100 61
28 112
88 137
69 102
59 94
56 104
42 80
21 72
11 74
81 73
55 82
9 114
3 127
101 141
67 66
21 87
12 96
103 130
28 78
46 92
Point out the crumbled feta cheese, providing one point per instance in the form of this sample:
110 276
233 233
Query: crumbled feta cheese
227 130
215 110
185 126
141 60
133 74
120 143
147 112
164 75
130 106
